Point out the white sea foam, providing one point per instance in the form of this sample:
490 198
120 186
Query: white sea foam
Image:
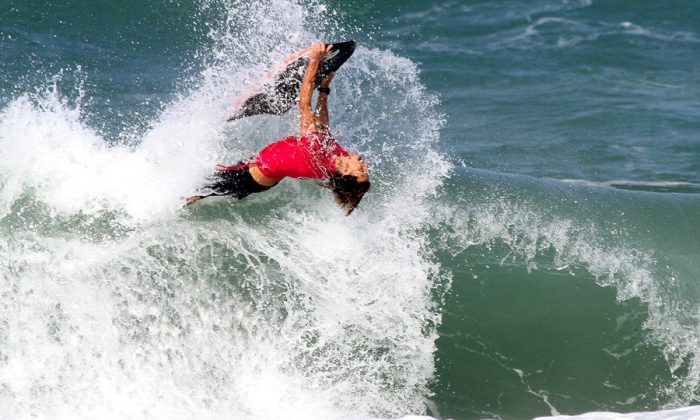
48 149
117 304
677 414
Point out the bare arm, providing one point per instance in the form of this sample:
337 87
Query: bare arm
322 120
307 120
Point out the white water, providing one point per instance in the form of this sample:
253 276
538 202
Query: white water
117 303
686 413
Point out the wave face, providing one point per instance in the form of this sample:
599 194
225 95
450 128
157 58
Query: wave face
529 246
572 298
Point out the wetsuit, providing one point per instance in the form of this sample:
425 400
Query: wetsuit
235 181
311 156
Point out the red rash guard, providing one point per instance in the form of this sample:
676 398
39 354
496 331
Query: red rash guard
312 156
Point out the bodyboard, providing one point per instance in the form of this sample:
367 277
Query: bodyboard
279 91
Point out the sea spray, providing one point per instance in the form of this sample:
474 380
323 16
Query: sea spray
118 303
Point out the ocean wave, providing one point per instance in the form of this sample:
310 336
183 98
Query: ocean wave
273 307
545 226
561 32
649 186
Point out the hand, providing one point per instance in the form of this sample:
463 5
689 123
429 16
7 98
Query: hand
319 50
326 82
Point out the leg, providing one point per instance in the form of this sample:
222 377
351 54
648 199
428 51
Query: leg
193 199
235 181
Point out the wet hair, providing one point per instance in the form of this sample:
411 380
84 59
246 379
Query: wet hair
347 190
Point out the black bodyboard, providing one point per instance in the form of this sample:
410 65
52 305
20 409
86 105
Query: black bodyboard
281 91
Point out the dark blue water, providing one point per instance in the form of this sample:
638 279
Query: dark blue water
529 246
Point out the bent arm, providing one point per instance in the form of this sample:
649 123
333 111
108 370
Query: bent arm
322 119
307 120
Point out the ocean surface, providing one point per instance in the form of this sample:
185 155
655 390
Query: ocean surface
530 245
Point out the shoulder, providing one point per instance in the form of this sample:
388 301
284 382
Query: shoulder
281 143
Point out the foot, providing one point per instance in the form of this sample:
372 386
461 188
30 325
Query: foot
193 199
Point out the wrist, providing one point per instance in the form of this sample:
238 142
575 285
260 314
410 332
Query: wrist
324 89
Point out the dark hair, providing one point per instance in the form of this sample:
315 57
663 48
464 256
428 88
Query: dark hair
347 190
